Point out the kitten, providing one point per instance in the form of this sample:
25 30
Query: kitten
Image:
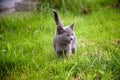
64 40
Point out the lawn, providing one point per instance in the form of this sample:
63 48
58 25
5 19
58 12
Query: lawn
26 50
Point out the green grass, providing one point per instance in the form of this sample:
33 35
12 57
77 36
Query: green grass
26 51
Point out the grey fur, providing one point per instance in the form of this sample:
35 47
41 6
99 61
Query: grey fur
64 40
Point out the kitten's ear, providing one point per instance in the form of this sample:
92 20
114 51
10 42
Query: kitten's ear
60 29
72 26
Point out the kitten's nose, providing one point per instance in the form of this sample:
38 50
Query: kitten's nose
71 39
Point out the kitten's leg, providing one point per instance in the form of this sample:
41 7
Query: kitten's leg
60 54
74 45
74 50
69 52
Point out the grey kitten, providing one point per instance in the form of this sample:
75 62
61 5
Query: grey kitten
64 40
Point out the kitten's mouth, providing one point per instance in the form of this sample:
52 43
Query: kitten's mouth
68 42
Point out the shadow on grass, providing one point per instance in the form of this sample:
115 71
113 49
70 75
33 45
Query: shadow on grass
5 68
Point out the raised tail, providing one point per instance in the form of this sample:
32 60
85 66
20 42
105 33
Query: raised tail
57 18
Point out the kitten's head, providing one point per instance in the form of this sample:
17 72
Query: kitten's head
65 34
